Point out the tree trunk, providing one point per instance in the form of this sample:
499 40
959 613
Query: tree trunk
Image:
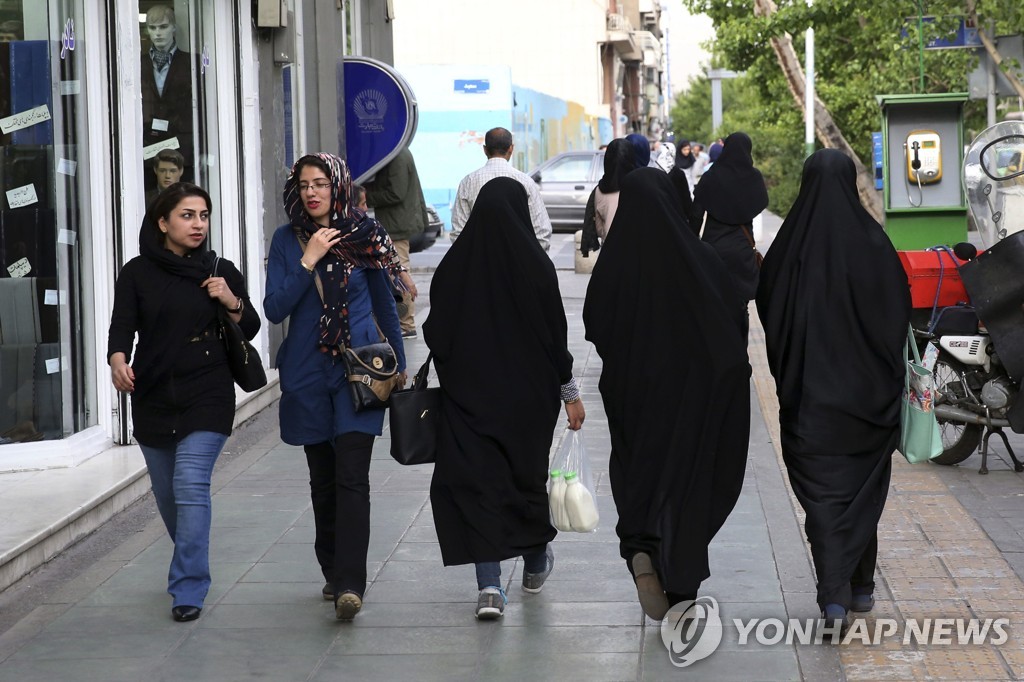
828 132
993 52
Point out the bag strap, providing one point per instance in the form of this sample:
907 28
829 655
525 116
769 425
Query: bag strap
320 288
316 273
750 237
419 382
912 343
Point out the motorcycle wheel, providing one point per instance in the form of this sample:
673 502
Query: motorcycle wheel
959 440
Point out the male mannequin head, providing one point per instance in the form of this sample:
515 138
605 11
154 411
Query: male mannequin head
498 144
168 166
161 27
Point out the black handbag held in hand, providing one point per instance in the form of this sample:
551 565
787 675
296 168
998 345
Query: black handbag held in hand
243 359
414 417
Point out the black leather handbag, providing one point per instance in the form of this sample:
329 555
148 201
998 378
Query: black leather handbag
243 360
414 417
372 372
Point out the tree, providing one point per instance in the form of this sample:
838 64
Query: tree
862 50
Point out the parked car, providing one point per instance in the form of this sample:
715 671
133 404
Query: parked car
424 240
565 182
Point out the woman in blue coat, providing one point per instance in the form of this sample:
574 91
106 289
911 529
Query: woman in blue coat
355 260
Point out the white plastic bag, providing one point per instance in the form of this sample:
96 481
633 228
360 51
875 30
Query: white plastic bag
571 494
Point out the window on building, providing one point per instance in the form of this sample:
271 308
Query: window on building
47 356
179 87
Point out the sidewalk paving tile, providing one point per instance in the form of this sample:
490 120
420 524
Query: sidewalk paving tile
265 617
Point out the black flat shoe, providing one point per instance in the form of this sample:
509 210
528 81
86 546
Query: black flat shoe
185 613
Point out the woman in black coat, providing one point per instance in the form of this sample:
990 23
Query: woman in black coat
835 306
732 193
183 395
498 335
679 430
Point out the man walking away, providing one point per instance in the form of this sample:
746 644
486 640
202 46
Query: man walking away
397 201
498 148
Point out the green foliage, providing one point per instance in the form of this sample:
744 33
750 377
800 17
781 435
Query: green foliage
859 53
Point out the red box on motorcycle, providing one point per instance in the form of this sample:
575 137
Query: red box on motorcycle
924 271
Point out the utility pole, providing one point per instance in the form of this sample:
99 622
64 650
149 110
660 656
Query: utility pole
716 76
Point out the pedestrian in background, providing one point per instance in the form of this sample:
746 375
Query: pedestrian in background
701 163
183 395
677 464
495 309
397 201
685 161
352 256
641 147
835 306
619 161
498 148
666 155
732 193
714 151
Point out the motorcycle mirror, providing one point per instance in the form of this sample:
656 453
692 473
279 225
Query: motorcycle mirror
965 251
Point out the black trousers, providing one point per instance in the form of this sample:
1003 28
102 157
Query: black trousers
339 484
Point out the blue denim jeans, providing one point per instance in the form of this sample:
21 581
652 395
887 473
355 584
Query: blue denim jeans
488 573
181 485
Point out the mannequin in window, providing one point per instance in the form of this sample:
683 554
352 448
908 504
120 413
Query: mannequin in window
166 89
11 31
168 165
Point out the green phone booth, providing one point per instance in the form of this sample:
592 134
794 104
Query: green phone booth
923 147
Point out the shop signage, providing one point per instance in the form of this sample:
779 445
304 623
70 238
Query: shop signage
380 115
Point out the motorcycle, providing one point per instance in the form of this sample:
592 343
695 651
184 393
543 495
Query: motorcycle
980 350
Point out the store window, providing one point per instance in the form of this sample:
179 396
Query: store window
47 353
179 88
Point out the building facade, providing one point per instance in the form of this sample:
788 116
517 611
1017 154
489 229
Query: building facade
90 92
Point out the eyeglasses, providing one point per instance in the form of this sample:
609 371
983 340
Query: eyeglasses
318 186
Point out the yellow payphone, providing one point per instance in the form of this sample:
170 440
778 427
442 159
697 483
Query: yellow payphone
923 154
924 157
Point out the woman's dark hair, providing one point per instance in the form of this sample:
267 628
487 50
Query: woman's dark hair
310 160
172 196
168 199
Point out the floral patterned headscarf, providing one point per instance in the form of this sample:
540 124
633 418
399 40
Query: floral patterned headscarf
364 243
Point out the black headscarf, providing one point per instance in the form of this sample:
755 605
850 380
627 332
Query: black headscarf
679 429
684 161
364 243
498 333
732 190
195 267
834 303
619 159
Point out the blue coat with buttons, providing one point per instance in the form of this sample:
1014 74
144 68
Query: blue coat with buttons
316 405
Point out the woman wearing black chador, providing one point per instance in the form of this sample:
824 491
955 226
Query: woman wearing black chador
835 306
732 193
679 429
